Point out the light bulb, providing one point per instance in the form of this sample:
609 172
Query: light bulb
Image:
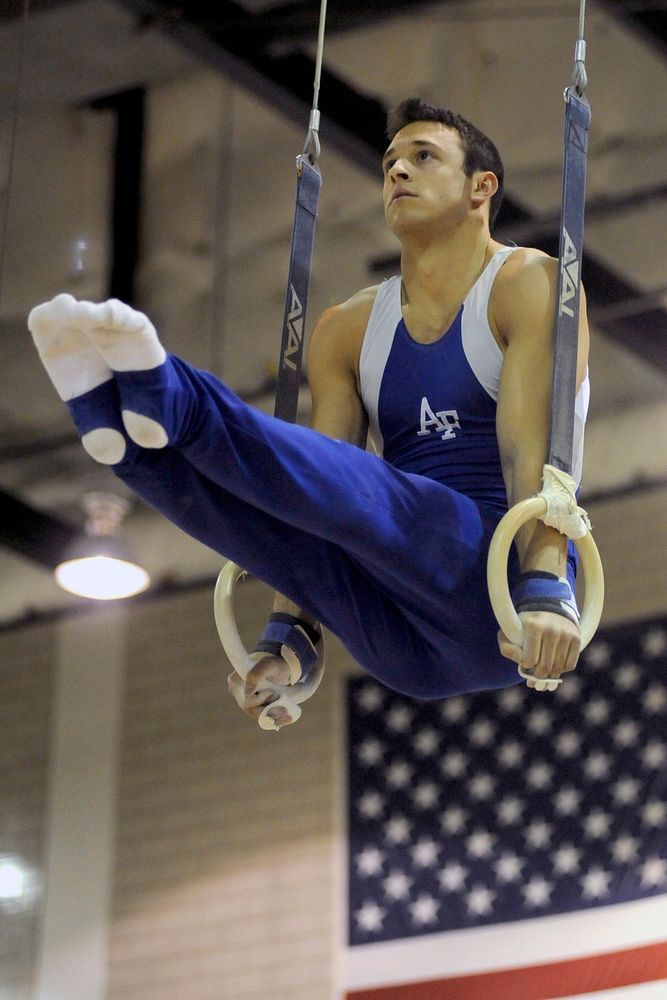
102 578
12 879
102 565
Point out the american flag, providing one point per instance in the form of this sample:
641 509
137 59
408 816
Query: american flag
512 845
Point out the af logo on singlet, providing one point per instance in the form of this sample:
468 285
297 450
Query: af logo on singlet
442 422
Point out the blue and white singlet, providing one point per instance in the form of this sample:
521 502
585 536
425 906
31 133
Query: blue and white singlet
432 407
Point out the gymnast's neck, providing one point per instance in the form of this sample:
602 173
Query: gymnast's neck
441 265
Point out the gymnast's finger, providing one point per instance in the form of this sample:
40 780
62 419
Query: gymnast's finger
249 702
508 648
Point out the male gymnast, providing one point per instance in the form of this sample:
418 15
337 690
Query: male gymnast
447 366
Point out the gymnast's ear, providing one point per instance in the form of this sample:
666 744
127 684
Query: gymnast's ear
484 186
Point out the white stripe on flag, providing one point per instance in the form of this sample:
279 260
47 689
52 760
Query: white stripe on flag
504 946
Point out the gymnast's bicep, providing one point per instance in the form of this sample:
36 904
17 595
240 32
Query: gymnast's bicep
337 409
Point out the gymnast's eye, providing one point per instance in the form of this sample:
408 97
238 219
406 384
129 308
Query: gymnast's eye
424 154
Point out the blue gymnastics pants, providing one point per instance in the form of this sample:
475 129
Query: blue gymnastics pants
393 563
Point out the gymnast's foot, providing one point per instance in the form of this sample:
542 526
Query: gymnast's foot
127 342
76 370
71 362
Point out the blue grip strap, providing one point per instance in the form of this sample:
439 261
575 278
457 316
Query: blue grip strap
538 591
287 632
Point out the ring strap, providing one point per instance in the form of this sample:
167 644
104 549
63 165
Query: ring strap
292 639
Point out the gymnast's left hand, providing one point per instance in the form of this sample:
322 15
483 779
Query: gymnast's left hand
551 645
252 697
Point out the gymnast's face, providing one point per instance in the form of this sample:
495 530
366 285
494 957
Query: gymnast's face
424 180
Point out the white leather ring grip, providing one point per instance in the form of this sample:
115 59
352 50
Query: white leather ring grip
223 606
534 509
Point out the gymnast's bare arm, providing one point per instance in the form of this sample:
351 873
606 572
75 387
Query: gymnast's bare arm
338 412
521 312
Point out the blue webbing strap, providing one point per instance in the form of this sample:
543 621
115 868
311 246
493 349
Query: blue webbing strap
566 329
309 182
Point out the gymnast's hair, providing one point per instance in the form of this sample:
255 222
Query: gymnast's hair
478 150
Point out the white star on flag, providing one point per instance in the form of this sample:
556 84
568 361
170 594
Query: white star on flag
537 891
568 743
567 801
397 885
538 834
371 805
480 900
510 809
480 844
454 764
454 819
595 884
370 697
654 872
655 754
482 732
452 877
427 742
426 795
509 868
655 642
626 733
510 754
397 830
425 853
539 721
597 824
596 712
567 859
370 861
370 916
370 752
481 787
598 654
424 910
655 699
627 677
399 719
654 813
625 849
399 774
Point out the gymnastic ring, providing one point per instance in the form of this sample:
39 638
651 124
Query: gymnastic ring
534 508
289 696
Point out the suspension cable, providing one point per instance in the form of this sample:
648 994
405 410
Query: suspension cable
579 77
311 148
16 112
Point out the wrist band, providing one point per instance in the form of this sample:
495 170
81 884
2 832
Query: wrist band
539 591
294 640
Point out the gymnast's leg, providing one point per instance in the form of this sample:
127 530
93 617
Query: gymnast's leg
383 517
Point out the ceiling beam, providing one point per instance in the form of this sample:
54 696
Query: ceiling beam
647 19
32 533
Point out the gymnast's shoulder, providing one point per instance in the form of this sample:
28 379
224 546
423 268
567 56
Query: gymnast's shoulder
525 286
341 328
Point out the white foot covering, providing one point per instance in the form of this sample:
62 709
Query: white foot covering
144 431
105 445
127 341
71 362
125 338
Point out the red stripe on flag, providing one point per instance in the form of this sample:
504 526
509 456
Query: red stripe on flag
540 982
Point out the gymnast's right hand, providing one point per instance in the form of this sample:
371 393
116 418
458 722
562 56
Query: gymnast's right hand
251 694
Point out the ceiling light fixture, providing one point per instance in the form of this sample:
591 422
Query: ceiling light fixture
102 566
